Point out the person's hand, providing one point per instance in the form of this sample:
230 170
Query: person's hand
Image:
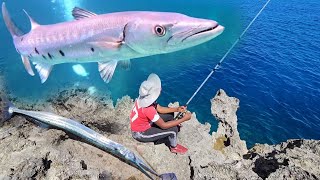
187 116
182 109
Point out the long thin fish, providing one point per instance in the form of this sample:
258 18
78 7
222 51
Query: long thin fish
85 133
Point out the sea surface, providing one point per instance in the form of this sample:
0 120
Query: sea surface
274 70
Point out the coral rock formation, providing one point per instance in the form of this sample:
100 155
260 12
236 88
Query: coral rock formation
227 138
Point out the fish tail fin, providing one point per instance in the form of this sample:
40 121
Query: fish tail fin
5 109
13 29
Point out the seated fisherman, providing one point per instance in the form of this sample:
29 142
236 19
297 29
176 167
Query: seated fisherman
151 122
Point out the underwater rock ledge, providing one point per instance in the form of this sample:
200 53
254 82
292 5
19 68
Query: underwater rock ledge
35 151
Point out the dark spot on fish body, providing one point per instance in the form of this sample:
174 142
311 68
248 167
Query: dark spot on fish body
50 56
61 52
21 39
44 57
36 50
92 49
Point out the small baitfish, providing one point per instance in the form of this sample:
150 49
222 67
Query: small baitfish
108 39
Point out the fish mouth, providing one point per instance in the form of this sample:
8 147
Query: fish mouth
214 31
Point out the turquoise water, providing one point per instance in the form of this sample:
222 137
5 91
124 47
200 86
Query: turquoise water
274 70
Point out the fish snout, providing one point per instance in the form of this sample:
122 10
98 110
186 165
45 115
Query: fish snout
193 32
209 24
204 31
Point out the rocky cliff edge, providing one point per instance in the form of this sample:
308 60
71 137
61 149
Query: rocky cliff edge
35 151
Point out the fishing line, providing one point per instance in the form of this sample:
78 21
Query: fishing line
223 58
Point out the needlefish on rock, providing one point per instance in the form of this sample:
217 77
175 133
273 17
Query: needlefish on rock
108 39
7 109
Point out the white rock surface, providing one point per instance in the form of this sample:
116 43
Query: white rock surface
32 152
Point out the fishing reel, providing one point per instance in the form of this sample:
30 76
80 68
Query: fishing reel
180 115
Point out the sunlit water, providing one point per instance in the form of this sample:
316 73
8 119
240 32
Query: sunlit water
274 70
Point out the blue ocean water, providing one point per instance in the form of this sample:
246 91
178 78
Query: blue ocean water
274 70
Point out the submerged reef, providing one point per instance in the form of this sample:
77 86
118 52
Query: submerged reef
30 150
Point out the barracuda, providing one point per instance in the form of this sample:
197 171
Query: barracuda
108 39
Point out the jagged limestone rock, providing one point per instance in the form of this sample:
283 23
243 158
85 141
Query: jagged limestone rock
294 159
227 138
34 151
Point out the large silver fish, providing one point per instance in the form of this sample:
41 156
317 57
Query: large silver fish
108 39
7 109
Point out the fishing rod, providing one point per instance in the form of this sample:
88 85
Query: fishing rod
180 114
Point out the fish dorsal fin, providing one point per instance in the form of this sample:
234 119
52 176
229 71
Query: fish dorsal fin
26 63
79 13
13 29
107 69
34 24
44 71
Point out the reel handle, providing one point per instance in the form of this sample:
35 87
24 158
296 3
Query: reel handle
180 115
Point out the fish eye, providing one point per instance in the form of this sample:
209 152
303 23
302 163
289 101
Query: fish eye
160 30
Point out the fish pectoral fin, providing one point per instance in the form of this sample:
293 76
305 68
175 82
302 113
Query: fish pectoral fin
27 65
106 45
125 64
107 70
79 13
44 71
33 23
